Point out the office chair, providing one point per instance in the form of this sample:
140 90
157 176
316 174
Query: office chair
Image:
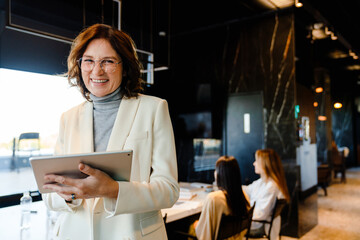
229 226
279 206
27 142
324 177
339 166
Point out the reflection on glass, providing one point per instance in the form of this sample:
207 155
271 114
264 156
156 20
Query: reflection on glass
206 153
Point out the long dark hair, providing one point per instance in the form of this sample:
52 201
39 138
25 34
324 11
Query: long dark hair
228 179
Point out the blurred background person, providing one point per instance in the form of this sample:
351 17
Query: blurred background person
264 191
229 199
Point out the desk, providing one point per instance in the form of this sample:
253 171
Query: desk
42 221
10 223
185 208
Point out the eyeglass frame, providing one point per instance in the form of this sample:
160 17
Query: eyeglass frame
100 62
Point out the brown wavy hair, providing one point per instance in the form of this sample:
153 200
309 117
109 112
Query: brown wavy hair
124 46
228 179
271 163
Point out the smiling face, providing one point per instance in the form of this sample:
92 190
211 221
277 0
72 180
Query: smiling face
97 81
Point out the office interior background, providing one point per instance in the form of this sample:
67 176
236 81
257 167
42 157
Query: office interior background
238 76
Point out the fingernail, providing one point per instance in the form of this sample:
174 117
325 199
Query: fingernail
81 166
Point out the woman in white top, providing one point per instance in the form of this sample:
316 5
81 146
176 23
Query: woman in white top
264 191
228 200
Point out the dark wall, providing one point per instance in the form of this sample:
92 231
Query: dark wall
248 56
52 28
21 51
261 58
343 120
27 52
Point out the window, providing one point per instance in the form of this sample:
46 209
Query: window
29 102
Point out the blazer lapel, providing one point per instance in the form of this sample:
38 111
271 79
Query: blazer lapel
123 123
122 126
86 128
86 142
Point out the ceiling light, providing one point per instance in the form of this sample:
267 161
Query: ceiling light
162 34
318 34
355 57
322 118
298 4
318 25
319 90
337 54
333 36
337 105
351 53
316 104
353 67
276 4
327 31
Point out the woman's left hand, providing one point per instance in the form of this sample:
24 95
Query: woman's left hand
97 184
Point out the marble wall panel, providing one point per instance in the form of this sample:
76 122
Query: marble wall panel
248 56
260 57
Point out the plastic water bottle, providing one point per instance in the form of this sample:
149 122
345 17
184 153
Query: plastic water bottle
25 204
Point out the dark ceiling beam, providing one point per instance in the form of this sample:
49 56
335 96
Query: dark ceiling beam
235 21
319 17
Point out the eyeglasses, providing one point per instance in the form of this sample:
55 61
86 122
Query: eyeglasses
107 65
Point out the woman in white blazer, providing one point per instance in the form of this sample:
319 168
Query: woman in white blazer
104 65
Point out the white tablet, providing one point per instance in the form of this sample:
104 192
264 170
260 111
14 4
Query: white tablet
116 164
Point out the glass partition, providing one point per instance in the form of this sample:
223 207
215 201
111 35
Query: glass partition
29 103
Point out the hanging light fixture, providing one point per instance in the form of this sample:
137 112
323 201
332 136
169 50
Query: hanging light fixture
316 104
333 36
337 105
298 4
319 90
322 118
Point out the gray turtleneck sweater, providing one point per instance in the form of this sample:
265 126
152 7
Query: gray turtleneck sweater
105 111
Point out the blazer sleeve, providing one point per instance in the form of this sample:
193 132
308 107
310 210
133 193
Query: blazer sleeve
162 189
52 200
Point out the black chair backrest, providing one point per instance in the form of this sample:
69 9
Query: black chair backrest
29 135
33 137
232 225
279 206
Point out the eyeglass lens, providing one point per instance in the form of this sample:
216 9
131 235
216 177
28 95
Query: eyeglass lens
107 65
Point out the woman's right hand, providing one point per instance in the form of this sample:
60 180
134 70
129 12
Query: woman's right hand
97 184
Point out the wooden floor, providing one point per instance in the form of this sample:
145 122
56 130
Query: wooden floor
339 211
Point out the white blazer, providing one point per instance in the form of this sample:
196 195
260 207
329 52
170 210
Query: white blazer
142 124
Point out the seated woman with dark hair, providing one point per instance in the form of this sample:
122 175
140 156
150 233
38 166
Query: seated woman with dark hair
264 191
228 200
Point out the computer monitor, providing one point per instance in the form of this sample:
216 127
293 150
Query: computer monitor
206 152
